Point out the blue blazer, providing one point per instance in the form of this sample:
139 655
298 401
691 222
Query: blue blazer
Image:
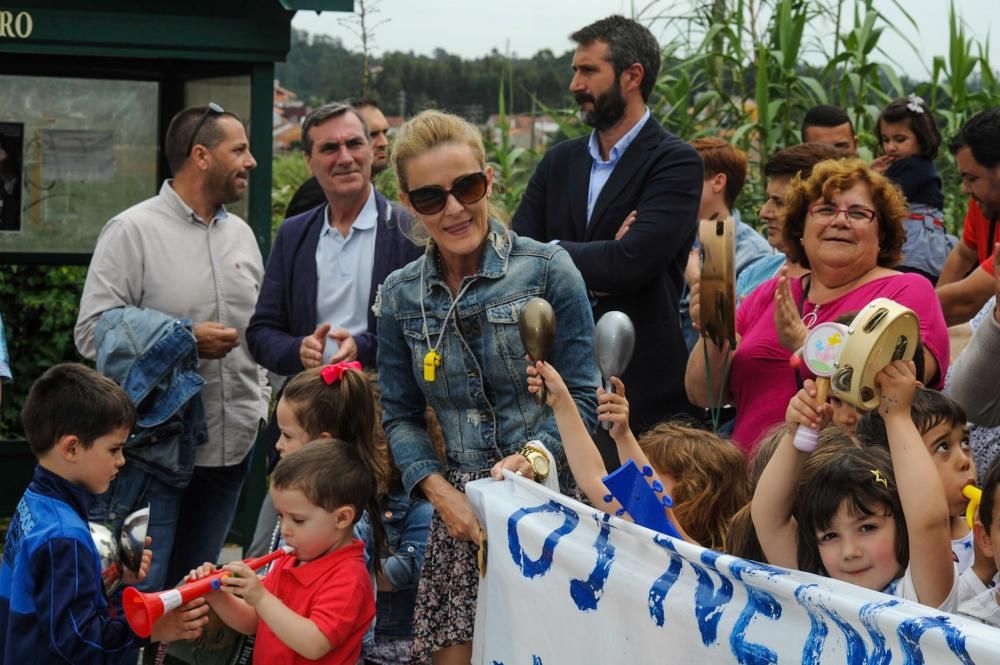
286 305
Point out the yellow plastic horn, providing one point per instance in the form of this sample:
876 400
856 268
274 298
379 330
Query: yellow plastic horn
974 495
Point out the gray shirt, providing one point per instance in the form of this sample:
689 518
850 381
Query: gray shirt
972 382
159 255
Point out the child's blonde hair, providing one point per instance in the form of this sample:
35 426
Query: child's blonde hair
711 478
741 539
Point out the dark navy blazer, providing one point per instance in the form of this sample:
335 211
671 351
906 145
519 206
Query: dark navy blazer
286 306
660 177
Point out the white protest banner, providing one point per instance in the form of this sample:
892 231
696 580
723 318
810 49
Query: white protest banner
568 584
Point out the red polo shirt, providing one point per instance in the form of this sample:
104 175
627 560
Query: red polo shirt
976 233
334 592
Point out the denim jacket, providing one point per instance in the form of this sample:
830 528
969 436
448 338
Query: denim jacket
407 523
154 357
480 392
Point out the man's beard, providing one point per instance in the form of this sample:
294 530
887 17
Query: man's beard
224 184
608 111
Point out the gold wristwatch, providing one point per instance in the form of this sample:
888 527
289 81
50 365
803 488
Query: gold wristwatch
537 458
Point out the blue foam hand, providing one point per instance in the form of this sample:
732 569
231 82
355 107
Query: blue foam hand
657 486
629 486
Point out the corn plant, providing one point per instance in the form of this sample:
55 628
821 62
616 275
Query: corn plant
512 166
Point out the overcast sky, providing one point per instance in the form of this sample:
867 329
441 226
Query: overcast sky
472 29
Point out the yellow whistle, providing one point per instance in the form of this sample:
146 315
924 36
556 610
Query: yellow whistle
431 362
974 495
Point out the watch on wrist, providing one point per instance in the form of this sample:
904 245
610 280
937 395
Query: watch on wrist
538 460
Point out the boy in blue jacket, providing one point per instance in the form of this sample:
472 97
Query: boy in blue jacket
52 603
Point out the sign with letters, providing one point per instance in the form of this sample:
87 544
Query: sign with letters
15 25
566 583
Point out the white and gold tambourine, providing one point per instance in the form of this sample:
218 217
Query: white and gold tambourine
882 332
718 280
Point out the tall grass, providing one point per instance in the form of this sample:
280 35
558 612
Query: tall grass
748 70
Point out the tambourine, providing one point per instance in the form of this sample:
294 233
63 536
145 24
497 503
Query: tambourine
718 280
882 332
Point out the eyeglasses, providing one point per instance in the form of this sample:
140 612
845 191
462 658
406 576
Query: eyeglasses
827 212
431 200
210 109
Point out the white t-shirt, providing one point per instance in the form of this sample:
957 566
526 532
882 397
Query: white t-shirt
903 588
964 551
985 607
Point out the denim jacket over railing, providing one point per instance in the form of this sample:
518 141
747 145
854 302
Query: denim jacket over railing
154 357
480 393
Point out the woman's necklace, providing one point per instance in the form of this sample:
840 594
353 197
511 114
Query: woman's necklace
433 357
808 319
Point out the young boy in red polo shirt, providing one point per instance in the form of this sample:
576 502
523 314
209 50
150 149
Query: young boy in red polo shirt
315 605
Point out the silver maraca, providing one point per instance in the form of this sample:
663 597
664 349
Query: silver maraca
614 342
117 554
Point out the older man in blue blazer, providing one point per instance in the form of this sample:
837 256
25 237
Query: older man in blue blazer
327 263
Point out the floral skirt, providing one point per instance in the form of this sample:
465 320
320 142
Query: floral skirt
445 612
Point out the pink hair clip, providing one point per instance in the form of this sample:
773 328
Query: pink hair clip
332 373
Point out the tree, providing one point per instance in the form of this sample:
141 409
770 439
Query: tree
362 23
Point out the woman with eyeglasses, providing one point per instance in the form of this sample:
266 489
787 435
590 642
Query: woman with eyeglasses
448 337
844 225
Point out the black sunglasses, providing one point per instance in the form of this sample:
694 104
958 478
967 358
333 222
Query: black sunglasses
210 109
432 199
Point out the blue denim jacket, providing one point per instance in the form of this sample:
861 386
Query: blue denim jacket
154 357
480 393
407 524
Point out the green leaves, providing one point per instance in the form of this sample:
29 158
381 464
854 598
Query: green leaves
748 70
40 304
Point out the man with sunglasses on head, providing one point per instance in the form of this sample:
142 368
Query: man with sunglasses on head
180 260
623 202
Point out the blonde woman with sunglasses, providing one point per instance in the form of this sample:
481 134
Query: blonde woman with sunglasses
448 338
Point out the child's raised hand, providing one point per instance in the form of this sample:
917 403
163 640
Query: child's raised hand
613 407
243 583
805 409
128 577
542 373
898 382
